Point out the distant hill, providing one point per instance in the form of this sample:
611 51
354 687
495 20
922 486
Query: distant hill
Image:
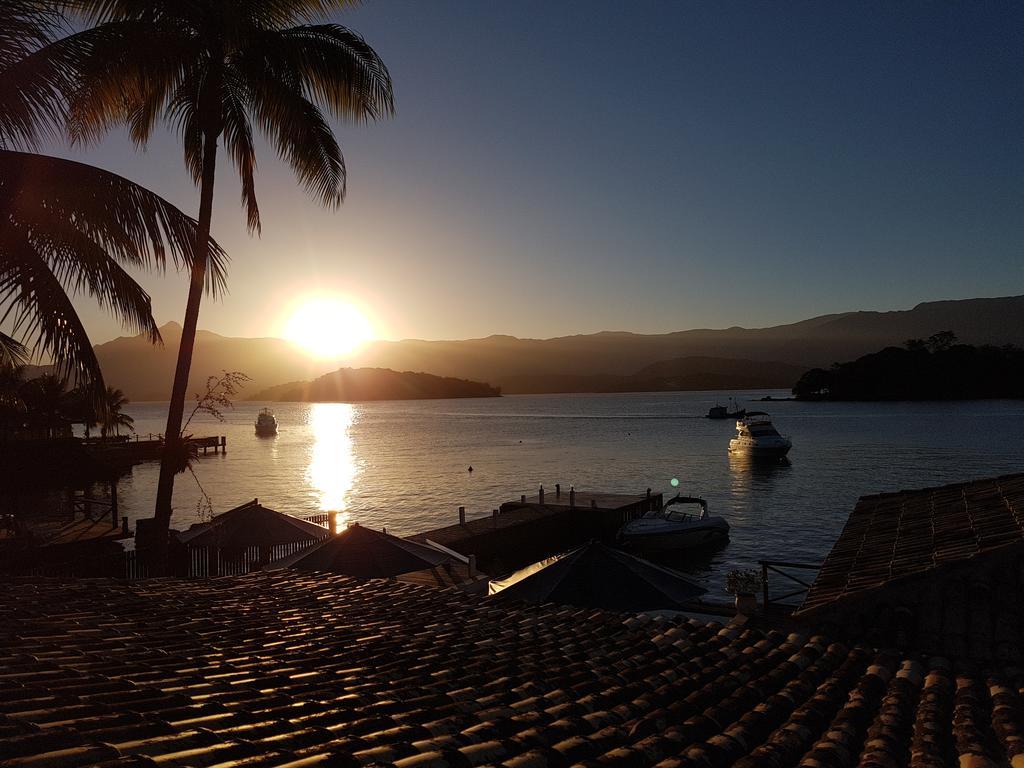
572 362
683 374
146 372
352 385
816 342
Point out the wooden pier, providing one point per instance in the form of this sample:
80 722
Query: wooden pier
149 449
522 532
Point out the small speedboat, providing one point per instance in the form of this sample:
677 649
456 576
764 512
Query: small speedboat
733 411
757 438
266 423
682 523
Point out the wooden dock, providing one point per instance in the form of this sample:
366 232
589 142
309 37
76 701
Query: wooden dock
150 449
522 532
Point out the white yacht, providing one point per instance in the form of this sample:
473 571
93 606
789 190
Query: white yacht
266 423
683 522
757 437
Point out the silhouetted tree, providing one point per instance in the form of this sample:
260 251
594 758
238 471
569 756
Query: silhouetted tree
66 227
941 341
212 69
952 371
115 418
50 403
916 345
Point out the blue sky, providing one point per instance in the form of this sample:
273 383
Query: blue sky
569 167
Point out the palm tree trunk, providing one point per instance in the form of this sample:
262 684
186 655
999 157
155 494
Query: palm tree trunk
173 448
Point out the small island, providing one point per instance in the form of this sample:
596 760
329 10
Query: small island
350 385
936 368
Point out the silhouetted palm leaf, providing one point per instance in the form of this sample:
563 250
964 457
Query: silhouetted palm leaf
13 354
66 226
31 106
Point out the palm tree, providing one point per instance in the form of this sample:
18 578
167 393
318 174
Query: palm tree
114 418
212 69
48 401
67 228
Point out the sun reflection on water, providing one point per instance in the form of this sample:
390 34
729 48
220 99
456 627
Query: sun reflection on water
332 465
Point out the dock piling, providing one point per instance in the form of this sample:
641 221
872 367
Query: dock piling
572 497
540 494
462 515
558 490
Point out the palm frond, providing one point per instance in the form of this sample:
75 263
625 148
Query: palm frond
266 12
25 26
125 72
84 267
301 134
238 142
41 313
31 85
337 67
135 226
13 354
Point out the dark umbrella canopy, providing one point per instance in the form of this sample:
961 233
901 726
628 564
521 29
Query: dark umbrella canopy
597 576
251 525
369 554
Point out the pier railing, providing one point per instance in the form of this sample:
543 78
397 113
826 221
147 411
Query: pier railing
782 572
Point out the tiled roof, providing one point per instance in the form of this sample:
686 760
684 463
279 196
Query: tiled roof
251 525
301 670
890 536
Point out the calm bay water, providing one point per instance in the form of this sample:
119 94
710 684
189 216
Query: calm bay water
404 465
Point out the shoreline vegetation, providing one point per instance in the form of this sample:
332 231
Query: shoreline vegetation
348 385
937 368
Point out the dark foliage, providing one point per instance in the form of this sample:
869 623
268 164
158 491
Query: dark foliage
923 371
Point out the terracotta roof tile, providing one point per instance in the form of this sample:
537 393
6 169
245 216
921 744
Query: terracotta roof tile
293 669
895 535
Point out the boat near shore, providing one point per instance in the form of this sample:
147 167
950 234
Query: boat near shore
682 522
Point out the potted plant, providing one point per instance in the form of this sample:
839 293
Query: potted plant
744 585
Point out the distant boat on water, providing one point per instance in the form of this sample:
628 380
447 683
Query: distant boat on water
732 411
266 423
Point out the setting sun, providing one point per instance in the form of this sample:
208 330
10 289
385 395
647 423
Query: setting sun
327 327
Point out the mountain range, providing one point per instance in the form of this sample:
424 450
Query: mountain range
732 358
